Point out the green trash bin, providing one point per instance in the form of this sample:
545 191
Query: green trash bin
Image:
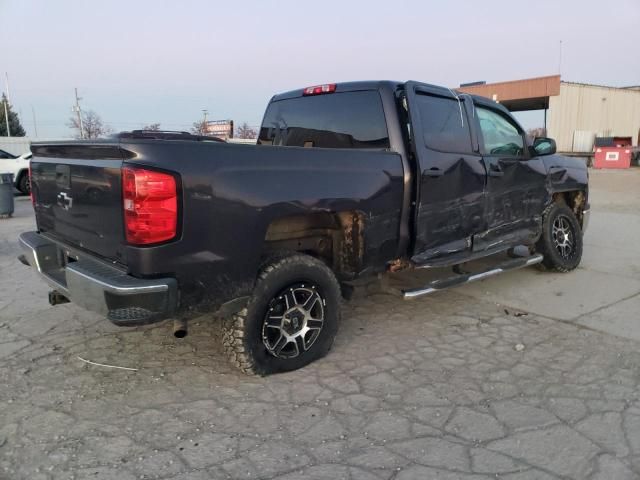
6 194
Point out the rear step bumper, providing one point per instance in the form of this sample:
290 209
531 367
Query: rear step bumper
98 287
460 279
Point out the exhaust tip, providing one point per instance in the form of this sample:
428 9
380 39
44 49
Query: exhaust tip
180 328
179 333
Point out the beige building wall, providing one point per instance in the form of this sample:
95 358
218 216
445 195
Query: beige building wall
591 111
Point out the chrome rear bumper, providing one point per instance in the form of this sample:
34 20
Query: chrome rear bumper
99 287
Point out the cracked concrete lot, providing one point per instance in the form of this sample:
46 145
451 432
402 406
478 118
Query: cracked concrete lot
429 389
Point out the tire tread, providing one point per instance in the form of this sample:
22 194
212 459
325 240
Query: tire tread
233 327
542 246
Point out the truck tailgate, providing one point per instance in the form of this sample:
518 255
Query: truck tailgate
78 196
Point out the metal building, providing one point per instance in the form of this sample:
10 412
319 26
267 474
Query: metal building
581 112
575 113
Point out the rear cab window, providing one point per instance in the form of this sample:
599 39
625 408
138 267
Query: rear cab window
444 124
334 120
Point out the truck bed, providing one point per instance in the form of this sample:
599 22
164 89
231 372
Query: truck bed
228 197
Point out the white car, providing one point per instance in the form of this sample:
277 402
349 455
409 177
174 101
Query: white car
19 166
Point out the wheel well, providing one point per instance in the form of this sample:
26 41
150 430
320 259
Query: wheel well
334 237
575 199
21 174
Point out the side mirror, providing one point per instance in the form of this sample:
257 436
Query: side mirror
544 146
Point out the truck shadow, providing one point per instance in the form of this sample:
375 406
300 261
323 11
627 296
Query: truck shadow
373 324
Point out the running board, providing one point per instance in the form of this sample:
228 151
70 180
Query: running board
460 279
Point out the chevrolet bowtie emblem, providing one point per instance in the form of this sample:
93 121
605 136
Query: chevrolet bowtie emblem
65 201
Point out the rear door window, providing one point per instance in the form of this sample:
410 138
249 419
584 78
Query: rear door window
444 124
334 120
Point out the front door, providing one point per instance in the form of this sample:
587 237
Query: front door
516 182
451 176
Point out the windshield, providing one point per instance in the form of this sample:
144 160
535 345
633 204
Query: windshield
6 155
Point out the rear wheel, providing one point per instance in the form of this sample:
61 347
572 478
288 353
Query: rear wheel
561 239
24 185
291 319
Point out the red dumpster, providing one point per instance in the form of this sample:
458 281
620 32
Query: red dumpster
612 152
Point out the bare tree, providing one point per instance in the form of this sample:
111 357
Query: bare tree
199 128
92 126
245 131
154 127
536 132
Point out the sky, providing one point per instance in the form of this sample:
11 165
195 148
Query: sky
138 62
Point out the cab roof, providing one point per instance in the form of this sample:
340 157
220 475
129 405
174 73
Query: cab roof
391 85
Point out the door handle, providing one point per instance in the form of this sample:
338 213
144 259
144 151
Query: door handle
433 172
495 171
557 172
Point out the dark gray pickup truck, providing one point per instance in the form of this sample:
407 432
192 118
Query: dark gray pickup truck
346 180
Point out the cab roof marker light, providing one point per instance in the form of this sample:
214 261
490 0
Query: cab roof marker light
319 89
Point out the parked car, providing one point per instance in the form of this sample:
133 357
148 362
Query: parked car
19 166
347 180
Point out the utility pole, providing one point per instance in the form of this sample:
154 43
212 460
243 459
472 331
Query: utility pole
6 116
35 124
6 81
78 111
6 102
205 113
560 60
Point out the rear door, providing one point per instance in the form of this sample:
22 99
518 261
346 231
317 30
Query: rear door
451 176
78 196
516 182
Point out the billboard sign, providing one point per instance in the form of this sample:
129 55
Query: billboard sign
219 128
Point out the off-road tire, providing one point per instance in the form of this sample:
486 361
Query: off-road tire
553 259
243 332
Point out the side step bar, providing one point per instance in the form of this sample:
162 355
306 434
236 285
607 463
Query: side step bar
460 279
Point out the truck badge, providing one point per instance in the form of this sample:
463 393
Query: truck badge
65 201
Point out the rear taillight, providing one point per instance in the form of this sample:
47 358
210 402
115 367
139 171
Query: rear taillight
150 201
320 89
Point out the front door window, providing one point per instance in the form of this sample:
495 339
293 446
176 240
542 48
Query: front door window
501 137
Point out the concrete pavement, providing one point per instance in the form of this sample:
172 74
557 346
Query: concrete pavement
524 376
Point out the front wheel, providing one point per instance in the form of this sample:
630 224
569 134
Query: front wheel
561 239
291 319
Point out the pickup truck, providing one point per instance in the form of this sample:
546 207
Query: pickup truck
346 180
